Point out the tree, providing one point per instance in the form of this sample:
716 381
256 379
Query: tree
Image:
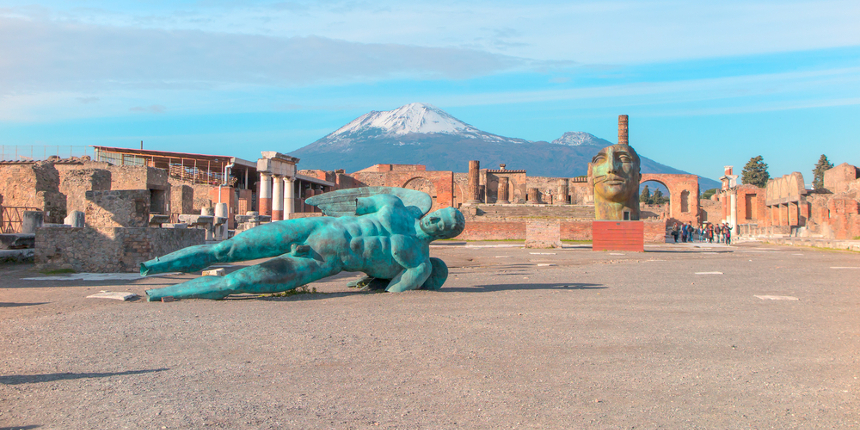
657 198
645 195
708 193
755 172
818 172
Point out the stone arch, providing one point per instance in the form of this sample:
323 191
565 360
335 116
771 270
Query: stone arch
679 186
422 184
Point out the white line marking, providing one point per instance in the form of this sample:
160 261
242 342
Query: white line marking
615 253
777 298
97 277
709 273
494 246
542 253
843 267
545 264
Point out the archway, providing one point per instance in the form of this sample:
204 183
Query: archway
655 200
425 185
684 195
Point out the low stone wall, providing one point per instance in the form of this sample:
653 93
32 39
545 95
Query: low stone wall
108 249
655 231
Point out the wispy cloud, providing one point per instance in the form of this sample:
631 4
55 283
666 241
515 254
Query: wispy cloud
46 55
148 109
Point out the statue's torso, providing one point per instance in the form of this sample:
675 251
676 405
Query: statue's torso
375 244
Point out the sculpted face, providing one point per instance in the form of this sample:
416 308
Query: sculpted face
615 172
444 223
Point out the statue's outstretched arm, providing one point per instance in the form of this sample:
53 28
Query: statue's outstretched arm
411 278
369 205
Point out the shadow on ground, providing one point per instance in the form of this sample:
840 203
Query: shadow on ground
506 287
50 377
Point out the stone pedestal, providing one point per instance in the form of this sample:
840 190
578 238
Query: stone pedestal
534 196
32 221
563 192
543 234
618 236
75 219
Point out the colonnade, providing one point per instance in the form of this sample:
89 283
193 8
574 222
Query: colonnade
277 196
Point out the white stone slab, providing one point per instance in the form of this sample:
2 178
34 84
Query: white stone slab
545 264
214 272
841 267
113 295
542 253
709 273
95 277
777 297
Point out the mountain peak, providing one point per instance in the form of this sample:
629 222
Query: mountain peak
411 118
580 138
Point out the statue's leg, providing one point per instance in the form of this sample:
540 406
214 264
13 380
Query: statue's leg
267 240
278 274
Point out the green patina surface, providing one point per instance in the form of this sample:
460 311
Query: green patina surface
375 230
615 175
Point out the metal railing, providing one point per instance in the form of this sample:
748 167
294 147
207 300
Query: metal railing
12 218
42 152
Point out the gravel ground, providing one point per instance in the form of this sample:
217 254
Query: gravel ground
517 338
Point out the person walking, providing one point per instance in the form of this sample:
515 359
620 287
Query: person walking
728 230
675 232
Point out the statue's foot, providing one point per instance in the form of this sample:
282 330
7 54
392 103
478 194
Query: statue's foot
204 287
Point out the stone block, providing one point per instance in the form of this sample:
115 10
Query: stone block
17 241
543 234
75 219
32 221
214 272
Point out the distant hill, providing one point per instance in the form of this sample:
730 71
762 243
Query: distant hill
422 134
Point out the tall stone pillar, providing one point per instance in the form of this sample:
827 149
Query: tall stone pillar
534 196
562 192
265 194
277 198
733 214
622 130
502 197
289 197
474 178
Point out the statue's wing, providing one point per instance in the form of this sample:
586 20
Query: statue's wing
342 202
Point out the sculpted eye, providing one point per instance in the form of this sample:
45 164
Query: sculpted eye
597 159
434 219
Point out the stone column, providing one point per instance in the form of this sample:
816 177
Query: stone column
534 196
265 194
289 197
502 197
733 213
474 178
622 130
277 198
32 221
562 192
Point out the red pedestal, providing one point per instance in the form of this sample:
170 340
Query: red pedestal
618 236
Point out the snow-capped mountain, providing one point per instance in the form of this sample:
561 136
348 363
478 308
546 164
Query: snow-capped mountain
400 123
422 134
580 138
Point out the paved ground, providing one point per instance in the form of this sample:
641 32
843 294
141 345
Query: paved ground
681 336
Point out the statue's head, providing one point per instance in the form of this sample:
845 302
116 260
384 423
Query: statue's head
615 174
444 223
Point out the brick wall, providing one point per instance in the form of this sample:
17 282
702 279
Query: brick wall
543 234
108 249
655 231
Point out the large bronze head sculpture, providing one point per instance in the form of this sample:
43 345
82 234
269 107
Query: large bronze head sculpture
614 174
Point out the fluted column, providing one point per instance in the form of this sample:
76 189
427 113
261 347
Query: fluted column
277 198
503 191
289 197
265 194
474 178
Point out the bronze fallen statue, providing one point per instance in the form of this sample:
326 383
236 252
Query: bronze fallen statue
375 230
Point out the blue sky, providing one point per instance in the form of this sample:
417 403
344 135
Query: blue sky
706 84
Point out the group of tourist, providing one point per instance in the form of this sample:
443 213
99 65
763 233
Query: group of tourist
708 232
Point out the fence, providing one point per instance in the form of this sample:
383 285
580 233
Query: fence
42 152
11 218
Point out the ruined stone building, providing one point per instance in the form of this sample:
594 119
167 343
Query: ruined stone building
785 208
